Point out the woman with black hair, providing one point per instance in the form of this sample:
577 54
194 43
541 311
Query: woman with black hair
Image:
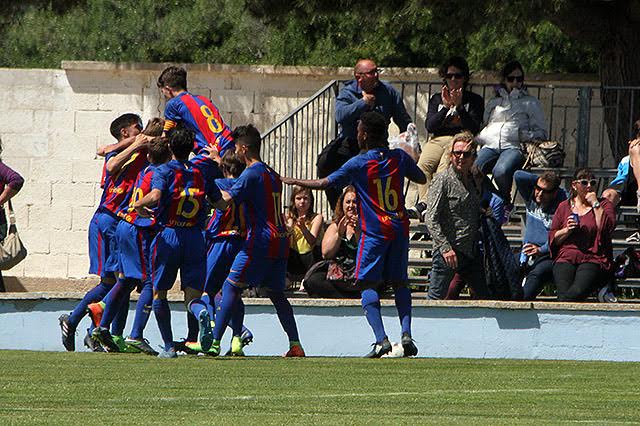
512 117
451 111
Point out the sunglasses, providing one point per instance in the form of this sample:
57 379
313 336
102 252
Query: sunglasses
545 191
371 73
463 154
452 75
585 182
518 78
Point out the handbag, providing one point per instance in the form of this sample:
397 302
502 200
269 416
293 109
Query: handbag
12 250
543 154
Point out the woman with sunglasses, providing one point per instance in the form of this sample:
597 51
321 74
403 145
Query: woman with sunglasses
580 240
512 116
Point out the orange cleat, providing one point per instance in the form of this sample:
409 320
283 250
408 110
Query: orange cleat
95 311
295 351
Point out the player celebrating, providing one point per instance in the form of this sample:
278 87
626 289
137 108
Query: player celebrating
178 189
378 175
196 113
262 260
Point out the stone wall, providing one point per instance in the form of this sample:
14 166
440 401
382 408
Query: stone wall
53 121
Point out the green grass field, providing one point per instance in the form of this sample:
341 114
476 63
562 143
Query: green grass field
86 388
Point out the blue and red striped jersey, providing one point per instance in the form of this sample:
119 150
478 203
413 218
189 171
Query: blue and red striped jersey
200 115
118 186
184 187
230 222
378 176
260 190
141 187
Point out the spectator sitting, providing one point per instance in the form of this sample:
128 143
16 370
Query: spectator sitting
333 277
306 230
512 117
452 110
623 189
10 184
580 240
541 195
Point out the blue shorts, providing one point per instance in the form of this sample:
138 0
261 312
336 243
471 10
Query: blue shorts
253 271
178 248
380 260
103 257
134 245
220 256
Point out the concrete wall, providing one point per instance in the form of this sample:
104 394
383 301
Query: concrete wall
53 121
338 328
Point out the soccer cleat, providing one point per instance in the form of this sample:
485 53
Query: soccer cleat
167 354
408 346
95 311
379 349
185 346
236 347
91 344
123 347
246 336
194 347
205 336
141 345
214 350
295 351
103 336
68 333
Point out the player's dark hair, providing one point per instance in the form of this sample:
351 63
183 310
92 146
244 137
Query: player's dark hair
376 127
158 150
338 212
293 213
122 122
173 77
154 127
231 165
181 143
248 136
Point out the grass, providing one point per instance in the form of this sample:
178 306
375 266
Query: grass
87 388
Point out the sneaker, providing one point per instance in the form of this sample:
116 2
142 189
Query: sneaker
379 349
103 336
633 238
171 353
247 337
605 295
68 333
95 311
123 347
205 336
417 211
295 351
236 347
92 344
142 345
408 346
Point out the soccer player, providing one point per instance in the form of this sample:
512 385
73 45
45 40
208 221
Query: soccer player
102 256
225 235
262 260
194 112
178 188
132 243
378 175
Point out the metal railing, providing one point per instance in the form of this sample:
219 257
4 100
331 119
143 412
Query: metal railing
574 114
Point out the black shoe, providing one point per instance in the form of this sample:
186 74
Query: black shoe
91 344
379 349
181 346
408 346
103 336
68 333
142 345
417 211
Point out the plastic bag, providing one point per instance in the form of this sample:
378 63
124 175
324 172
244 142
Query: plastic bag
407 141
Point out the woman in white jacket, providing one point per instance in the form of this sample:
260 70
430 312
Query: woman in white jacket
512 117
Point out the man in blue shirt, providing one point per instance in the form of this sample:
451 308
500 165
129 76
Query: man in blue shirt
541 196
363 94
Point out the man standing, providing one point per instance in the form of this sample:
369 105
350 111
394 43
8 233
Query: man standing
363 94
541 195
453 219
378 175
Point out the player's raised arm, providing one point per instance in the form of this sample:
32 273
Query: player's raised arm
306 183
115 163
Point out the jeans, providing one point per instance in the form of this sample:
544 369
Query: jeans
470 270
505 163
540 273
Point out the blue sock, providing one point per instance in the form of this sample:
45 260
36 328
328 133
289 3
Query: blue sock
119 322
403 305
230 295
206 299
237 318
112 303
163 316
371 306
196 306
285 315
143 311
94 295
193 327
